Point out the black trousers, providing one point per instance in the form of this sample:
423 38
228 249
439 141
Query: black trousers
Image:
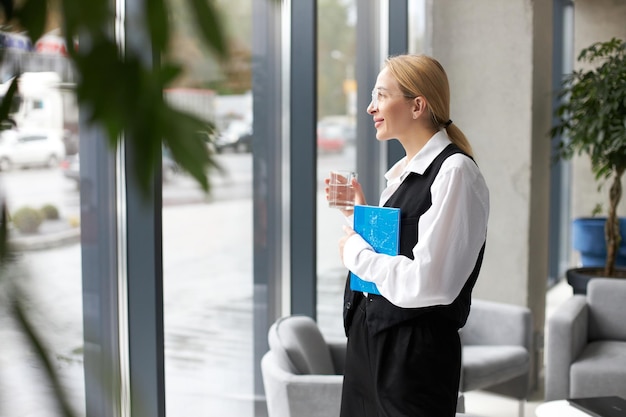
410 370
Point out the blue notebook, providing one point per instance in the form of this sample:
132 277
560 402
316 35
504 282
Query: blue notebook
380 227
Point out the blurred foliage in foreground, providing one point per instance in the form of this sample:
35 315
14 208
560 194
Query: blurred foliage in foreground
122 93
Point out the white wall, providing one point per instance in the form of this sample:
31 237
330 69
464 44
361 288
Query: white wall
499 78
498 56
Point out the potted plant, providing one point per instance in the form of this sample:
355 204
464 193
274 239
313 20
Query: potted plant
589 241
592 121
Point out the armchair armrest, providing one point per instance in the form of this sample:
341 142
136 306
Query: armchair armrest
290 395
567 336
338 354
494 323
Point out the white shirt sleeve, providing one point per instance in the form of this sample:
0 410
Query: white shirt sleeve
450 236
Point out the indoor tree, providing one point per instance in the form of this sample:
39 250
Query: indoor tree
592 121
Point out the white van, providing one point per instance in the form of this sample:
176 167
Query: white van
43 101
25 148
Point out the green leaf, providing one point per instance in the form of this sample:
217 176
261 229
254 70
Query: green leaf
7 101
158 24
32 16
185 136
7 5
4 234
105 96
91 16
168 73
209 25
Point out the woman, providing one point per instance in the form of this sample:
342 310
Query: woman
404 352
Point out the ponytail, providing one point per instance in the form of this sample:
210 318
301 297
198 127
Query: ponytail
458 138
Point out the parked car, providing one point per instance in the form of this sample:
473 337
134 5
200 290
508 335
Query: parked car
70 167
244 143
237 136
330 138
346 124
26 148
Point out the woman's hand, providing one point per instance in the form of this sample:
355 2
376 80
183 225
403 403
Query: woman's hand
342 242
359 197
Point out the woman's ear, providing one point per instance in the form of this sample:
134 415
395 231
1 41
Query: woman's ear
419 106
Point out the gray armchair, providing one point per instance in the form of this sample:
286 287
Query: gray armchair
586 343
497 350
302 372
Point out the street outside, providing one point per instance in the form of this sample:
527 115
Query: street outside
208 263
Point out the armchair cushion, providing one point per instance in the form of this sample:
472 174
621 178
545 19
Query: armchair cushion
497 346
484 366
599 371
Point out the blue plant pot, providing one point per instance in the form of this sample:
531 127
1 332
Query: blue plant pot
588 240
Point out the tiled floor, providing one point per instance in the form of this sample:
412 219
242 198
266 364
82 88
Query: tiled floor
483 404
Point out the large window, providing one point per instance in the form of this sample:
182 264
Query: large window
207 239
336 148
218 250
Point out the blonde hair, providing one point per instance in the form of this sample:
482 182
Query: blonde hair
421 75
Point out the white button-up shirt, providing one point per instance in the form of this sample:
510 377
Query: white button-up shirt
451 233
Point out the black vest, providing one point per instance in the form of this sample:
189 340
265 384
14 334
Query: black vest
413 197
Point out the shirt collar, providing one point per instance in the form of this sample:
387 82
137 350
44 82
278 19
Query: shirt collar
421 160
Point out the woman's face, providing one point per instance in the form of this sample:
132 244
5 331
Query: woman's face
390 109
